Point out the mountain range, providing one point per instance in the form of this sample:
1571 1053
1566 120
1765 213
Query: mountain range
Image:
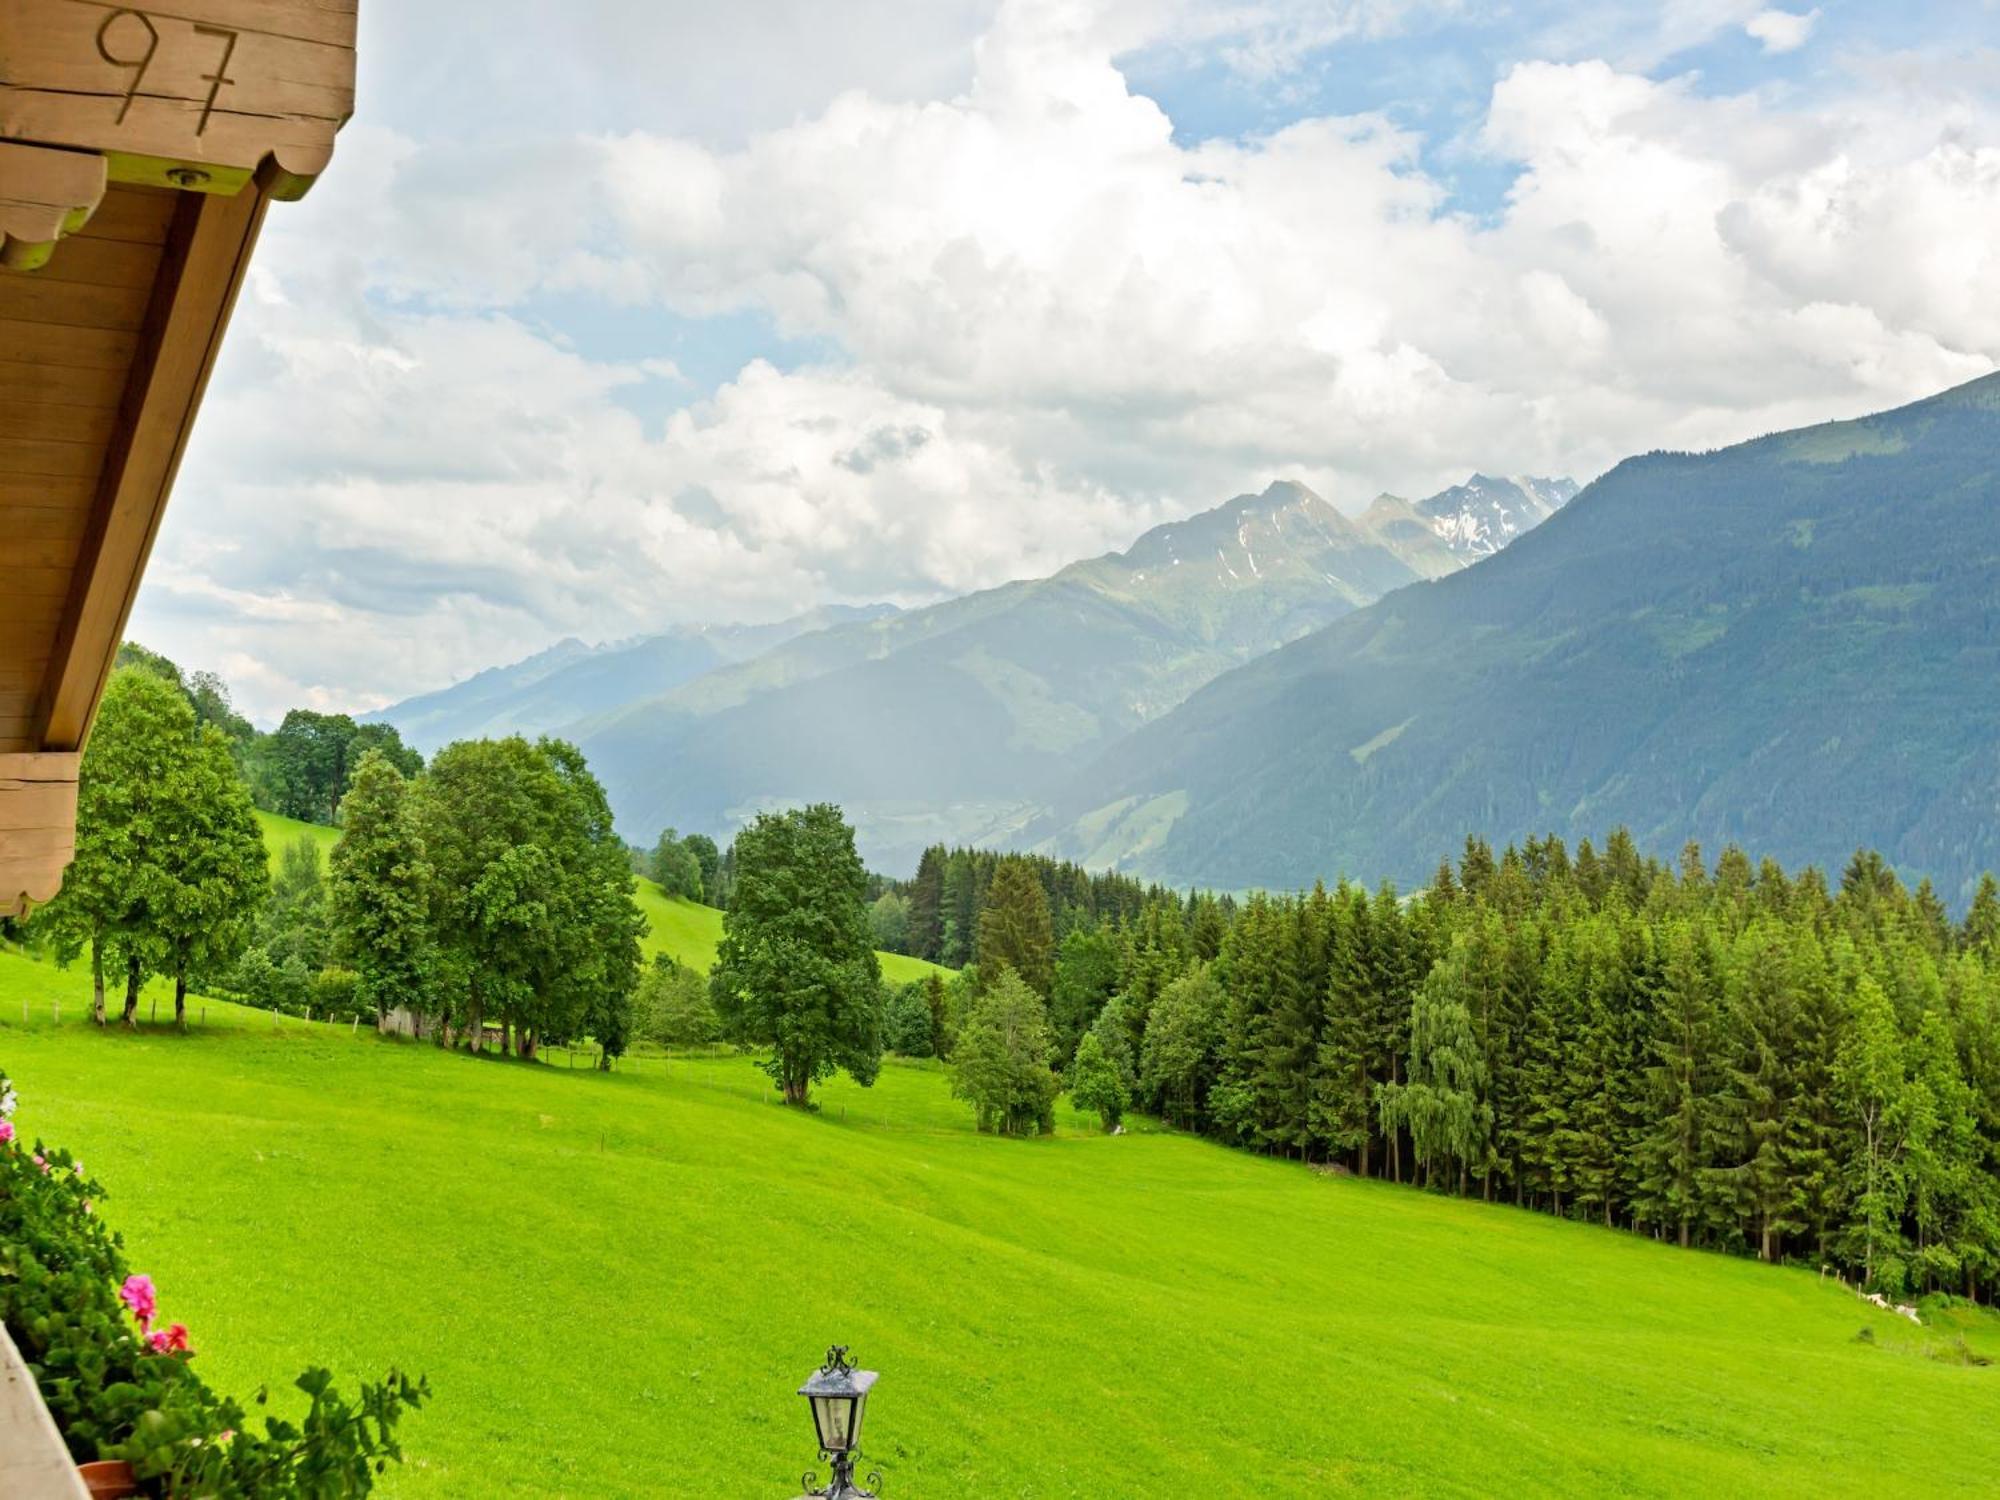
955 720
570 681
1791 644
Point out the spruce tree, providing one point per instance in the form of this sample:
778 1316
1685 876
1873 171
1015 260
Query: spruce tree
1014 929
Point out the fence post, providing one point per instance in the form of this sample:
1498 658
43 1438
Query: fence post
156 1009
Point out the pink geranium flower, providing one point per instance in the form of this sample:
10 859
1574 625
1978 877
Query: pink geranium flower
170 1340
137 1294
6 1132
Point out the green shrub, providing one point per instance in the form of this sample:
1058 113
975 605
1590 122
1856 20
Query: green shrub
336 996
672 1006
907 1022
120 1386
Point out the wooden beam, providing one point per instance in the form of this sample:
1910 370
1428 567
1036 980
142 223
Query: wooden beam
193 94
207 252
44 195
37 827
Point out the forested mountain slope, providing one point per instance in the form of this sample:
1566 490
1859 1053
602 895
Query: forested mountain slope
1792 643
942 722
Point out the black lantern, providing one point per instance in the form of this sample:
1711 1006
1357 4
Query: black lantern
838 1396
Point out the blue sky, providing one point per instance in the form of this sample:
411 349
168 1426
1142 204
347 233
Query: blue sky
598 303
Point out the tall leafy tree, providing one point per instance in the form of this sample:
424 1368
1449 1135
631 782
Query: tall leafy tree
1000 1062
1443 1104
1179 1059
1095 1083
380 890
132 769
796 972
211 872
1086 977
1881 1109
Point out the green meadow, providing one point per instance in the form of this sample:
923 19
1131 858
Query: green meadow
615 1283
686 929
279 832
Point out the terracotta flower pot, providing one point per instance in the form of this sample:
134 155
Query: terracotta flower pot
108 1478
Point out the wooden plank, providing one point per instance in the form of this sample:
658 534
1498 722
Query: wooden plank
19 674
34 1462
37 843
31 459
56 423
28 627
31 623
221 84
59 385
44 507
328 22
37 881
20 582
208 252
102 262
27 297
136 214
41 765
26 533
68 345
37 552
38 804
44 195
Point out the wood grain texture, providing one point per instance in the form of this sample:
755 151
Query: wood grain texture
37 827
220 85
202 267
44 195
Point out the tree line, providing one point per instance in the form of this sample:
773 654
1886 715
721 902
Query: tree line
1733 1057
303 768
485 893
935 914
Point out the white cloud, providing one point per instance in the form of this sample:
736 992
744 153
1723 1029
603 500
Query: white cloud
1048 322
1782 30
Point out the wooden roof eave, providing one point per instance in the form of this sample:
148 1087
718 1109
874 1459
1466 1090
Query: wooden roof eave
138 153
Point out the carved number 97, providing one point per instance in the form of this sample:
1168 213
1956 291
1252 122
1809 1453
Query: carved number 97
130 55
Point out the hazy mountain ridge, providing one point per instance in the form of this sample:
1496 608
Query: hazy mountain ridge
953 720
950 721
570 681
1789 643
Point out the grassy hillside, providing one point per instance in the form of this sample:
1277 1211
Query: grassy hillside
278 832
616 1283
686 929
692 932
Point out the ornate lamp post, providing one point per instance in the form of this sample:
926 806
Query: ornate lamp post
838 1396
